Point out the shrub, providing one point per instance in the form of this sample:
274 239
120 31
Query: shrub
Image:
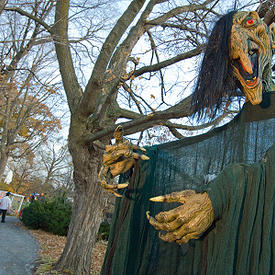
104 231
34 215
49 215
61 212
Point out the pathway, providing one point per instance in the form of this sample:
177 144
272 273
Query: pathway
18 249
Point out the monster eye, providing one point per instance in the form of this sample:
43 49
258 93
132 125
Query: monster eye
250 22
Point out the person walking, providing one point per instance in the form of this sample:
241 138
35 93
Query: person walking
5 205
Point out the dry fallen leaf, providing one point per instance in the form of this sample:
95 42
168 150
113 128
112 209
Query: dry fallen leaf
51 247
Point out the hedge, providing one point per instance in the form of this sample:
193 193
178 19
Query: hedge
49 215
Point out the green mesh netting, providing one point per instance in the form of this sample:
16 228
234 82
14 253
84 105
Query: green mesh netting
241 240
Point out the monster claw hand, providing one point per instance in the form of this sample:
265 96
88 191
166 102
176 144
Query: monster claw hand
112 187
186 222
118 159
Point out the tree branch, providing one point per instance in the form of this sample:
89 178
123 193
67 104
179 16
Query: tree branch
133 96
129 114
175 133
182 27
3 3
179 110
93 88
36 19
66 67
178 10
168 62
23 50
117 65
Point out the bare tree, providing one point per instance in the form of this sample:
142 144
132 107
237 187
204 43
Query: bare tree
27 94
56 164
23 170
48 165
170 33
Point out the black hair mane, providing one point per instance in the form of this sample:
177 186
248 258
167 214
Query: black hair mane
215 83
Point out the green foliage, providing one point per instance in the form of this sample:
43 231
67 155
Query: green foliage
35 216
49 215
104 231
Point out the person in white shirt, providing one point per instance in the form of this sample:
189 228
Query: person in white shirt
5 205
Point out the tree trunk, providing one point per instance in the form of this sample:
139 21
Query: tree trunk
87 210
3 163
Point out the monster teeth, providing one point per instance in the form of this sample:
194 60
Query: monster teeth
251 81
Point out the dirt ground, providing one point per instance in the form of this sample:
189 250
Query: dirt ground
51 247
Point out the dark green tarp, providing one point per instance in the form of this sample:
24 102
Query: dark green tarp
241 240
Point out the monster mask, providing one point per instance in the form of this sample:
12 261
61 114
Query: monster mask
251 54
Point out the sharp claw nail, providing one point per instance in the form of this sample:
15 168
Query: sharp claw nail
157 199
143 157
117 195
122 185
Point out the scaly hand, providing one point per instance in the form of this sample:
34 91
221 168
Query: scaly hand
186 222
118 159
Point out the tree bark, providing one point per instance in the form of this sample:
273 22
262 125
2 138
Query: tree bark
88 208
88 202
3 163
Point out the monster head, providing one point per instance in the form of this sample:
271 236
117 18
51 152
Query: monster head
251 54
238 56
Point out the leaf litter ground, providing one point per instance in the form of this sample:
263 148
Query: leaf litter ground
51 247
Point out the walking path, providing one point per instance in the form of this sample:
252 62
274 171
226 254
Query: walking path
18 249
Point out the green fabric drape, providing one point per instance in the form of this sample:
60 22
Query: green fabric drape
243 198
241 240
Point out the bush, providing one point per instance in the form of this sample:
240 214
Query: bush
49 215
34 215
60 218
104 231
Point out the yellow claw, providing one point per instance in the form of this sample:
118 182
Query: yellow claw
142 149
158 199
114 193
143 157
175 196
111 188
107 186
122 185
